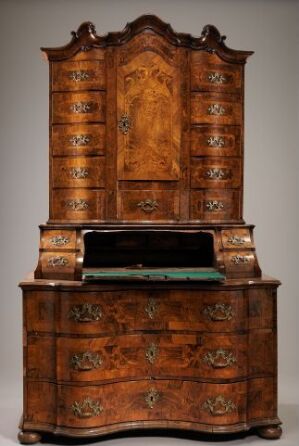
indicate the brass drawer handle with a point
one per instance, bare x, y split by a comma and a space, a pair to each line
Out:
59, 240
88, 408
124, 124
217, 78
81, 107
237, 260
79, 140
148, 205
216, 141
79, 76
59, 261
77, 205
86, 361
151, 353
235, 240
219, 406
213, 206
151, 308
216, 110
86, 312
217, 174
78, 173
219, 359
152, 397
219, 312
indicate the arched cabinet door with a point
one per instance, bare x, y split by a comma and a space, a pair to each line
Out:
148, 110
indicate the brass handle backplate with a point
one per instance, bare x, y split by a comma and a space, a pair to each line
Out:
79, 76
237, 260
219, 312
77, 204
148, 205
213, 206
86, 312
79, 140
217, 78
219, 406
216, 141
87, 408
151, 353
216, 110
59, 240
219, 359
235, 240
81, 107
151, 308
86, 361
59, 261
215, 173
79, 173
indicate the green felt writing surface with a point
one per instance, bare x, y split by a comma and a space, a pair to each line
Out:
158, 274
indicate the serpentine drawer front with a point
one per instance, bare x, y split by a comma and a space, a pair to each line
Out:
147, 307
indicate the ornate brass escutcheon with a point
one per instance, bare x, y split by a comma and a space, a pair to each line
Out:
85, 312
213, 206
219, 312
124, 124
148, 205
151, 353
78, 76
59, 240
216, 110
86, 361
77, 204
236, 240
219, 406
151, 308
79, 140
219, 359
216, 141
79, 173
152, 397
57, 261
87, 408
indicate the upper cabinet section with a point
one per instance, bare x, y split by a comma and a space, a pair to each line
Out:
146, 125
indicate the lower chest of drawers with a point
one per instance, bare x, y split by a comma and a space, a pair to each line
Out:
101, 355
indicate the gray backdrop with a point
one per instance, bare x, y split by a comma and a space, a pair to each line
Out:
269, 27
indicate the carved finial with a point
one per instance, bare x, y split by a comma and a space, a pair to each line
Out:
85, 28
211, 32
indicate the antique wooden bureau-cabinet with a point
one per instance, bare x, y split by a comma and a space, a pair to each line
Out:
147, 308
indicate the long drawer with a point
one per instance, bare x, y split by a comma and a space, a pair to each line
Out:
78, 107
100, 312
186, 356
168, 400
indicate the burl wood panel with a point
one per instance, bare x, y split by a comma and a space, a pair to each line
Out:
216, 108
132, 309
78, 204
58, 239
78, 172
210, 73
148, 205
78, 107
215, 173
132, 401
216, 140
148, 93
81, 75
215, 205
78, 139
185, 356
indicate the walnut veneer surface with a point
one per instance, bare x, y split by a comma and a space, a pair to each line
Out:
146, 165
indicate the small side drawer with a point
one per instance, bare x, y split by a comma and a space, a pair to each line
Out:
239, 263
81, 75
78, 172
215, 205
57, 239
216, 140
57, 264
236, 238
216, 77
148, 205
78, 107
78, 139
78, 204
215, 108
215, 173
